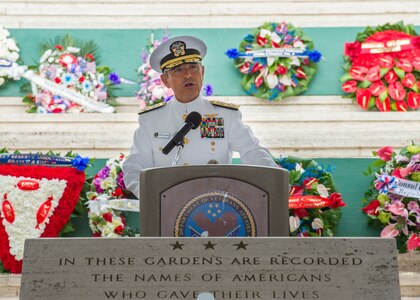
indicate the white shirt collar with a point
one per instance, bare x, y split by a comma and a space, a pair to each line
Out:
194, 105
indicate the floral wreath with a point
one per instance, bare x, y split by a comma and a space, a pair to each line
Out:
9, 51
393, 199
314, 203
40, 195
277, 61
108, 195
382, 68
152, 89
73, 65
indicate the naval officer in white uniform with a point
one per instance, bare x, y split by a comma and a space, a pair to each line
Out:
221, 130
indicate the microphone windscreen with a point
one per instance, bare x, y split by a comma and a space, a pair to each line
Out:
194, 118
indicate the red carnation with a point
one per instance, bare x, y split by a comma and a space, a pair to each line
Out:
409, 80
281, 70
119, 229
118, 192
57, 80
413, 100
372, 208
57, 110
81, 79
349, 86
386, 62
405, 65
396, 91
107, 216
358, 72
336, 201
352, 49
377, 88
373, 74
363, 98
391, 77
59, 47
385, 153
383, 105
300, 212
89, 57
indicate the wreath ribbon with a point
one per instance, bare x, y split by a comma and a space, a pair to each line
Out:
399, 186
357, 48
308, 202
15, 71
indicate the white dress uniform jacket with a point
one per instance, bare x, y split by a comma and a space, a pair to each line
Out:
220, 133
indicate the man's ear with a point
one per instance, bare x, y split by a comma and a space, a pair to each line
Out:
164, 79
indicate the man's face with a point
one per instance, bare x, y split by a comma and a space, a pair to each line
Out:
186, 81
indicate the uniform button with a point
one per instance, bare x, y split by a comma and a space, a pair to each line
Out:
213, 149
213, 143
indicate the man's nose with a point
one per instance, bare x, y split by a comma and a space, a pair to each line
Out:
187, 73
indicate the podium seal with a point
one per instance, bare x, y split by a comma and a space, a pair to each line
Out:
215, 213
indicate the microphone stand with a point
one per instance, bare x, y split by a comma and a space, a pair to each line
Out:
180, 146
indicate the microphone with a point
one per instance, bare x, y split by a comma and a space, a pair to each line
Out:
192, 121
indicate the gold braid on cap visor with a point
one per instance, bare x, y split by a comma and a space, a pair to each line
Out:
172, 63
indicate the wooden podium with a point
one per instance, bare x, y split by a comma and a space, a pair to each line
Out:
214, 200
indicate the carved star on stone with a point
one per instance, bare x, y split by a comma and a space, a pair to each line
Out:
209, 245
177, 245
240, 245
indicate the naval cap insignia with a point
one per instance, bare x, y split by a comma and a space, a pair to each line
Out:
178, 48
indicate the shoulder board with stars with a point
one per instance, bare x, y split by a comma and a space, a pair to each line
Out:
224, 104
150, 108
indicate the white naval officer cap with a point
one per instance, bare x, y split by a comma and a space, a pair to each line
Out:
176, 51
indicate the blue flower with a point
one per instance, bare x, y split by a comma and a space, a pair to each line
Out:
68, 78
208, 90
87, 86
314, 55
114, 78
249, 38
80, 163
168, 98
232, 53
273, 95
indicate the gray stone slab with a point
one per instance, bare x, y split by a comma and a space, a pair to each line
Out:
227, 268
